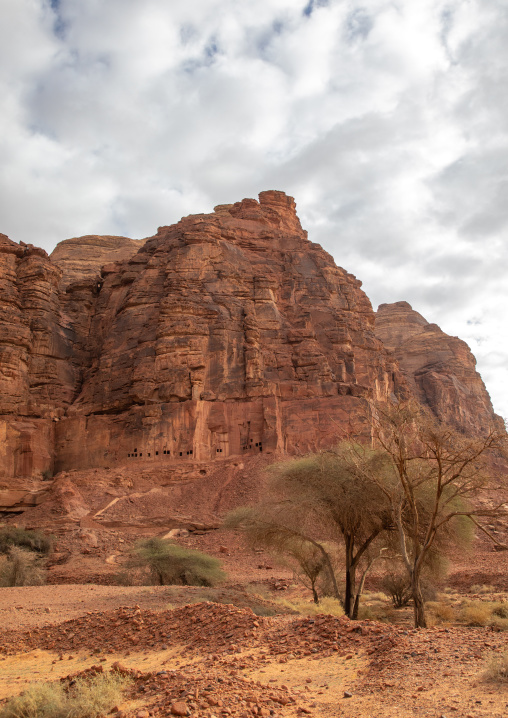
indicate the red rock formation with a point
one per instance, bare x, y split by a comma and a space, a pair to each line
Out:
225, 334
439, 368
81, 258
37, 376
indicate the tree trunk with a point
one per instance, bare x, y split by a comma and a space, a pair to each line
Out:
356, 607
419, 606
350, 578
350, 592
315, 594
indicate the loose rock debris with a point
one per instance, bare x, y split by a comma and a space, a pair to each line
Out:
220, 660
204, 627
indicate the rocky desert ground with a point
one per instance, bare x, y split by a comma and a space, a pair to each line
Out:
241, 650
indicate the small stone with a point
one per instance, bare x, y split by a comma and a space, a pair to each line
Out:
347, 694
179, 709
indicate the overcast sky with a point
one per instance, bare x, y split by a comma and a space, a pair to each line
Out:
387, 121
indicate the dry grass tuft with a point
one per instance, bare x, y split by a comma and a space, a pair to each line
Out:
496, 668
441, 612
482, 588
327, 605
485, 613
476, 613
88, 698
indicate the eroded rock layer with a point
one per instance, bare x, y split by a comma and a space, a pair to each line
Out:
440, 369
81, 258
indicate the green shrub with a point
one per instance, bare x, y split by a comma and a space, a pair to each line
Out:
87, 698
21, 568
171, 564
35, 541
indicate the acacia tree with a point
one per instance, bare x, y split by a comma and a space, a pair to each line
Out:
320, 497
270, 525
435, 478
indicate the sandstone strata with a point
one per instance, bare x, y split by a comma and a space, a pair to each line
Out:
228, 334
440, 369
225, 334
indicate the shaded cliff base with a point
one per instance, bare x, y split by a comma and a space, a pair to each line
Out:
96, 515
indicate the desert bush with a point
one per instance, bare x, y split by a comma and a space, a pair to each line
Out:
482, 588
477, 613
378, 596
36, 541
21, 568
264, 611
500, 609
485, 613
171, 564
398, 588
125, 578
258, 589
382, 612
496, 668
87, 698
499, 624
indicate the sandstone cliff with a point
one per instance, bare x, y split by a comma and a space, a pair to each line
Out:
440, 369
227, 334
37, 376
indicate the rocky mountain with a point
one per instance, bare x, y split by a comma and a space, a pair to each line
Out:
226, 335
440, 369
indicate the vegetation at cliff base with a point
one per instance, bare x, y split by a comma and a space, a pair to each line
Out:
29, 539
168, 563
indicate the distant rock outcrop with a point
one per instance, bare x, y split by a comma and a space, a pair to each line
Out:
440, 369
81, 258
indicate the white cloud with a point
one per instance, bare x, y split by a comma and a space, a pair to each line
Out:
388, 122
